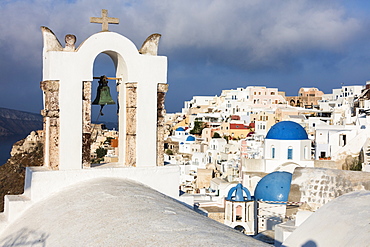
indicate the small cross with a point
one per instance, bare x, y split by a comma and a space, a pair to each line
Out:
104, 20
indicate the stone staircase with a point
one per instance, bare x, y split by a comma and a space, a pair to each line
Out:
14, 205
353, 146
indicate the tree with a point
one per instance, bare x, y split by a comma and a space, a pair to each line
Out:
356, 165
227, 138
198, 127
216, 135
100, 152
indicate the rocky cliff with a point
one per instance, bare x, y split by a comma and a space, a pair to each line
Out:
26, 152
13, 122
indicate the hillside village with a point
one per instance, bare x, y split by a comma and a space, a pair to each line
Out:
226, 134
284, 170
245, 134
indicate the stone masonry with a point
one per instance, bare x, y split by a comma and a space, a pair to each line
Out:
317, 186
51, 123
131, 105
86, 124
162, 88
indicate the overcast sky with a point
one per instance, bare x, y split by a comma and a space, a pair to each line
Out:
210, 45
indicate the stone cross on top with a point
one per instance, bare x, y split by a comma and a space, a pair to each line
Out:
104, 20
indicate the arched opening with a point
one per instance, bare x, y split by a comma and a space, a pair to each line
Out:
104, 120
272, 152
239, 213
240, 228
104, 65
290, 153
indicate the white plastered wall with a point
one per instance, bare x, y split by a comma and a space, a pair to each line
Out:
72, 68
281, 153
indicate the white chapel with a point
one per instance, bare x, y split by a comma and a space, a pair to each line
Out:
67, 202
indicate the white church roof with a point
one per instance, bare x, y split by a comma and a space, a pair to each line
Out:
343, 221
117, 212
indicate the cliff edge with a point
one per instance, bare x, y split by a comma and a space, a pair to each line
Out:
26, 152
13, 122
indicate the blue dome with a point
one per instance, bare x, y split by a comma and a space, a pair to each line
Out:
190, 139
287, 130
180, 129
274, 187
239, 194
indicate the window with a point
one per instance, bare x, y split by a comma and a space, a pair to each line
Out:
273, 152
290, 153
342, 140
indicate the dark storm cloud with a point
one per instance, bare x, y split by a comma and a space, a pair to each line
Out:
211, 45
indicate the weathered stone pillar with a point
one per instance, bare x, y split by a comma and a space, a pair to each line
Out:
162, 88
51, 123
86, 123
131, 105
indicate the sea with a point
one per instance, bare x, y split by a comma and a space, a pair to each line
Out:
6, 144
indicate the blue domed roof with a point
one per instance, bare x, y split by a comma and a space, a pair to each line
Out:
274, 187
239, 194
190, 139
287, 130
180, 129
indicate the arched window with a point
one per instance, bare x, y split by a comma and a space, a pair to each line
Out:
290, 153
239, 213
272, 152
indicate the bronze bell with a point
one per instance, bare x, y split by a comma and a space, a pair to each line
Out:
103, 96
